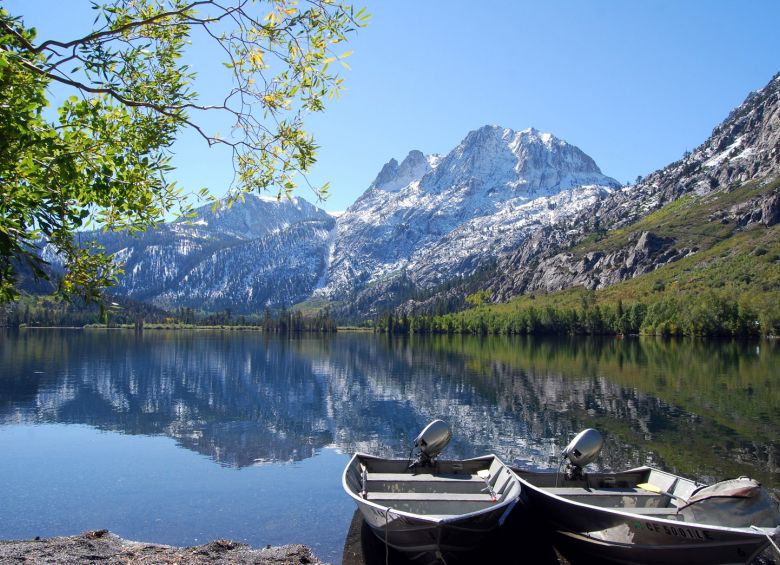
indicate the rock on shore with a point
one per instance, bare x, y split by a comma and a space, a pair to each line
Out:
102, 546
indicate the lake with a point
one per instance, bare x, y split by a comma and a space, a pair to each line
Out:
182, 437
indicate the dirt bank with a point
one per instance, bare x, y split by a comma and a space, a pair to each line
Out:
104, 547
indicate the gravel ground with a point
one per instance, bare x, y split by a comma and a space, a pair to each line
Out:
106, 548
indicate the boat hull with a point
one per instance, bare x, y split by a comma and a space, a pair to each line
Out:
622, 536
430, 522
418, 535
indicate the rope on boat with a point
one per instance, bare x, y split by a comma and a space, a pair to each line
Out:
439, 532
387, 527
558, 472
439, 556
772, 541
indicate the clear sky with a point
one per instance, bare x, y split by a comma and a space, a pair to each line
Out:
632, 83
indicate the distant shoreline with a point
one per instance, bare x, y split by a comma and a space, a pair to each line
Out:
155, 326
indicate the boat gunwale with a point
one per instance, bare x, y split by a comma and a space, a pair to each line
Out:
753, 531
422, 517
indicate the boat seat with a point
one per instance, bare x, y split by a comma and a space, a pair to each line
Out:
425, 496
617, 491
426, 478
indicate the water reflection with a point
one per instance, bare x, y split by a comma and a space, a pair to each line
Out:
703, 409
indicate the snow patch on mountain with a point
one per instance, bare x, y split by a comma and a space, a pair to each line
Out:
721, 156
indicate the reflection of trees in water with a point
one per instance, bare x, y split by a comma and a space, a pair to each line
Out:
237, 397
687, 406
704, 408
229, 396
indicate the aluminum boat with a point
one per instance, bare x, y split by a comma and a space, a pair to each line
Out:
429, 505
648, 516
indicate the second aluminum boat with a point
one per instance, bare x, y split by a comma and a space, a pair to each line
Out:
648, 516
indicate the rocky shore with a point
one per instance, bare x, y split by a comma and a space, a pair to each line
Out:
102, 546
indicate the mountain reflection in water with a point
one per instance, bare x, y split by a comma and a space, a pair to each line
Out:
705, 409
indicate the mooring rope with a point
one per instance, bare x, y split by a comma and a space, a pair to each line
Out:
387, 527
558, 472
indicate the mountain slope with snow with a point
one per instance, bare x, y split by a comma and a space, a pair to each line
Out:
742, 153
431, 219
424, 221
257, 253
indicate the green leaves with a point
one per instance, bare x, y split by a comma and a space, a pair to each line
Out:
104, 161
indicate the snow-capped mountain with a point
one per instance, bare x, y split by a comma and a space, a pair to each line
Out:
431, 218
423, 221
255, 253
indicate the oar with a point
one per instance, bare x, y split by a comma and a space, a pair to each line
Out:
657, 490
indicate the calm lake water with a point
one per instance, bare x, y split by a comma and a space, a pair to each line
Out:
183, 437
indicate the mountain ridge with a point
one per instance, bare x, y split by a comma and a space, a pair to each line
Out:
711, 194
454, 212
221, 258
717, 164
422, 221
523, 211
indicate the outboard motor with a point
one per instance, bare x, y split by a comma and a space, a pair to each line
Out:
583, 449
430, 442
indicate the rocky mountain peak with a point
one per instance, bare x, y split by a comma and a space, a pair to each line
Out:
431, 218
386, 174
415, 158
526, 162
747, 143
491, 136
393, 177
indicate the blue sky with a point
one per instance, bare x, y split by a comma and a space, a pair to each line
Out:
633, 84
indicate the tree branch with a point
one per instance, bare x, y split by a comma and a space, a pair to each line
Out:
119, 30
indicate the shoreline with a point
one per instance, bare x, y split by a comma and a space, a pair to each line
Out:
107, 547
179, 327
